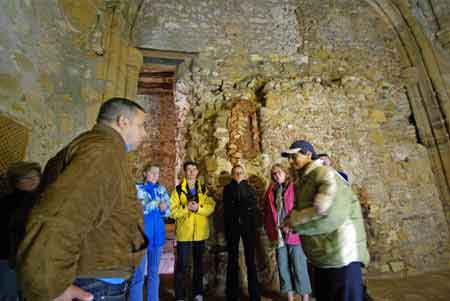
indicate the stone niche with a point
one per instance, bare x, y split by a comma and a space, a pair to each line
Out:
244, 140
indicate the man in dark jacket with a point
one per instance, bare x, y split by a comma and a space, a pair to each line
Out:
84, 237
24, 178
240, 221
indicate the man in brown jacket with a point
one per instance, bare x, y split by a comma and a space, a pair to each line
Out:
85, 235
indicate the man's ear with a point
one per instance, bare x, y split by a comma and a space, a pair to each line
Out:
122, 121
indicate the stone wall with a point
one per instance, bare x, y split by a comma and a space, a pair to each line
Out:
59, 60
328, 71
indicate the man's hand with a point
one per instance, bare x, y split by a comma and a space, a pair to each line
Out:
74, 293
162, 206
193, 206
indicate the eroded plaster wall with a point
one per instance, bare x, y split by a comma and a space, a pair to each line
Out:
58, 61
329, 71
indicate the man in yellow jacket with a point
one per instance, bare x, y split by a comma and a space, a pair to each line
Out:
190, 207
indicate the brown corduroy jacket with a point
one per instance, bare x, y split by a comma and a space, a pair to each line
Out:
87, 222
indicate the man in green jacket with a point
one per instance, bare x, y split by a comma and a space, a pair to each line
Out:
328, 217
85, 236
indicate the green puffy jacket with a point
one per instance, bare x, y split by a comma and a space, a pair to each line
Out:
328, 217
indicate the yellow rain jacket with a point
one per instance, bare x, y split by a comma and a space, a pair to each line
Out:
191, 226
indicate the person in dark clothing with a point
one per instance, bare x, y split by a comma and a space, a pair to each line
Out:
240, 221
24, 178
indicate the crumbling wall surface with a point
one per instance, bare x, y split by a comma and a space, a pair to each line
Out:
364, 126
54, 55
369, 128
328, 71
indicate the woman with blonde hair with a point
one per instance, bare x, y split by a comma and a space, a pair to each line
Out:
291, 261
156, 204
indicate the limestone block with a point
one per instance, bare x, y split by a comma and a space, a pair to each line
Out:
377, 137
67, 98
385, 268
256, 58
9, 84
46, 83
397, 266
89, 94
66, 123
18, 107
23, 62
378, 116
91, 114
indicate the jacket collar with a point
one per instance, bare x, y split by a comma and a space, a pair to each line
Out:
101, 127
310, 167
285, 185
234, 182
184, 185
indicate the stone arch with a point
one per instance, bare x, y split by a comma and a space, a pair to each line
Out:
425, 87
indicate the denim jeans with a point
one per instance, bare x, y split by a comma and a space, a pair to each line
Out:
103, 291
137, 283
8, 282
293, 270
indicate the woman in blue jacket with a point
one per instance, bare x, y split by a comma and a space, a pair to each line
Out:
156, 203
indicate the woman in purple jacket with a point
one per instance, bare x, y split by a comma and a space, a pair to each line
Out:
291, 260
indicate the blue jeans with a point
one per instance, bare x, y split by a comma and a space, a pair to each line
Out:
293, 270
103, 291
8, 282
152, 259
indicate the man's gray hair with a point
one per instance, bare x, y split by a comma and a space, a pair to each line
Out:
116, 106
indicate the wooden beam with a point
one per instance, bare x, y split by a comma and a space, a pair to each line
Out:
157, 80
144, 91
158, 68
166, 86
167, 54
156, 74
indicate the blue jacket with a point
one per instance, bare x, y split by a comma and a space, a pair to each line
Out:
150, 195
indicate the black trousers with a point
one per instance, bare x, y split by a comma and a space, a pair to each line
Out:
182, 260
339, 284
248, 235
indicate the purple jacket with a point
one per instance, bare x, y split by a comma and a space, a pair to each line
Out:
270, 214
